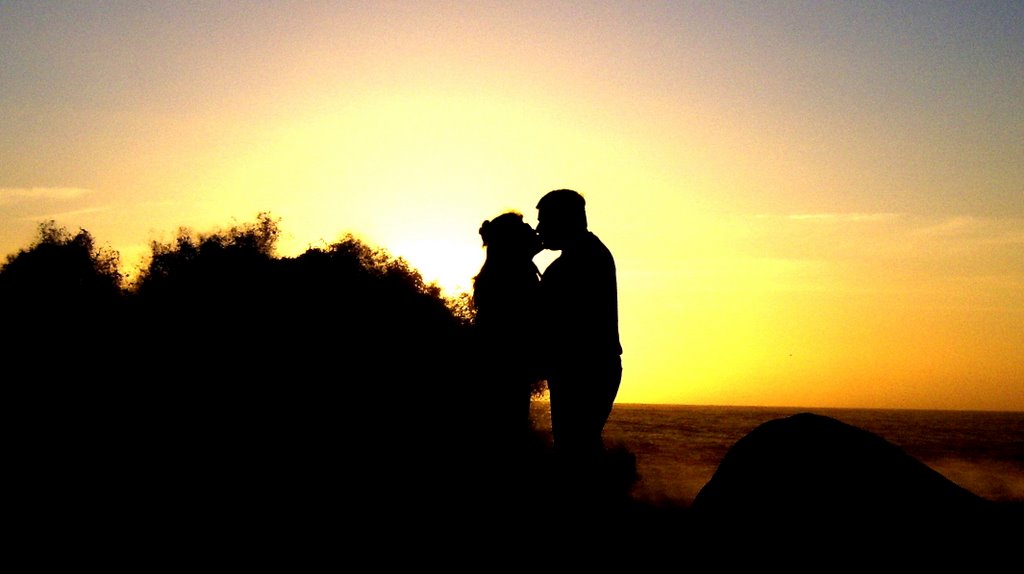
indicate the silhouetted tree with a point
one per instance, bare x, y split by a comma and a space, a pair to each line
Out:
197, 267
60, 272
61, 308
61, 299
332, 367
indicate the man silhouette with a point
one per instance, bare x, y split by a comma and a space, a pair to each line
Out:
580, 329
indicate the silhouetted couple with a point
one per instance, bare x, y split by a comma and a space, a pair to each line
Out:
561, 326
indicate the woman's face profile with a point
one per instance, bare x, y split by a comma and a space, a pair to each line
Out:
531, 240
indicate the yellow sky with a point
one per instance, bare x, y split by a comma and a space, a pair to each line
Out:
819, 207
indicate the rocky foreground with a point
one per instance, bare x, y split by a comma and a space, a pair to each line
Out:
812, 485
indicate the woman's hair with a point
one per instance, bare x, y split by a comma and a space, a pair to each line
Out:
502, 229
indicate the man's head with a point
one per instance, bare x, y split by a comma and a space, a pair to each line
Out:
561, 216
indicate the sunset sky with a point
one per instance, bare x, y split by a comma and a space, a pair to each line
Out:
809, 203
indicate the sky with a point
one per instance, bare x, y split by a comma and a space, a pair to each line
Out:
811, 204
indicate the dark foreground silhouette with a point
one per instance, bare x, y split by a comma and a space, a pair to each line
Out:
332, 403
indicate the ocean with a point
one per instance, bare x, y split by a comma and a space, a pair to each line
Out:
678, 447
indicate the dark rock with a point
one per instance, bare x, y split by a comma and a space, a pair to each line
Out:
813, 477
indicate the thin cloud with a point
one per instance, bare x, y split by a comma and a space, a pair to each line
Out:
843, 217
987, 230
954, 225
66, 214
11, 195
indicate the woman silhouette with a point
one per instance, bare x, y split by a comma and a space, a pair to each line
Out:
506, 296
